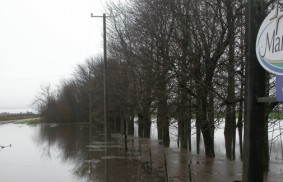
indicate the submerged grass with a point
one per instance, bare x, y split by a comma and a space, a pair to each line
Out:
32, 122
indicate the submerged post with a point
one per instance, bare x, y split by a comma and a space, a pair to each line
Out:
150, 158
190, 172
166, 171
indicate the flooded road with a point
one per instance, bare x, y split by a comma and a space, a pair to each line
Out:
25, 160
74, 153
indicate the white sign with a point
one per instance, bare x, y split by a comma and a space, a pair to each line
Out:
269, 42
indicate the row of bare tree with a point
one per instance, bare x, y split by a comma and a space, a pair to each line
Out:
188, 57
177, 60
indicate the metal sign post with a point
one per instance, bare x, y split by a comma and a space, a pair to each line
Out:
253, 158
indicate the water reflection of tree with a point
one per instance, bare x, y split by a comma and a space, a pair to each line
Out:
89, 164
70, 139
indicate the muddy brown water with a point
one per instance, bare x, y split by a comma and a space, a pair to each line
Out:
74, 153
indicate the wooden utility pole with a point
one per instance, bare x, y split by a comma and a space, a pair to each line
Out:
254, 137
106, 124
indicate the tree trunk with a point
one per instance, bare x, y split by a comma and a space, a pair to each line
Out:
198, 131
211, 114
229, 131
141, 125
131, 129
182, 118
147, 124
162, 114
125, 133
205, 126
159, 124
230, 119
242, 80
190, 123
144, 123
165, 136
240, 129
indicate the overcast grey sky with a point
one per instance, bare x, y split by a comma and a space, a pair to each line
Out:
41, 42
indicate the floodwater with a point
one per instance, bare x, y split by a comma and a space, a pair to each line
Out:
74, 153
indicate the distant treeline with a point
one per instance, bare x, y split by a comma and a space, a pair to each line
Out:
8, 116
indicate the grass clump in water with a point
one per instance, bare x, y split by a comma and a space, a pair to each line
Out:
32, 122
